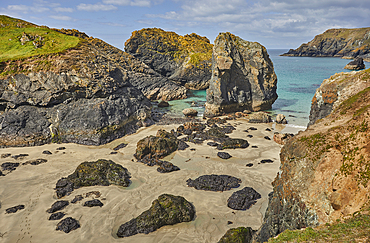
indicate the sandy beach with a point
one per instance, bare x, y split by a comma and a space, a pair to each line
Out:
33, 186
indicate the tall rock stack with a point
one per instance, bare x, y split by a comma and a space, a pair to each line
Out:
243, 77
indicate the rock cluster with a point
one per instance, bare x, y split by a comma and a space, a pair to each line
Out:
185, 60
243, 77
166, 210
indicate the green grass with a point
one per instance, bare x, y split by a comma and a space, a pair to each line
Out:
12, 49
350, 230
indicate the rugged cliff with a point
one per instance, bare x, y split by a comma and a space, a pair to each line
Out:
345, 43
243, 77
325, 170
79, 94
183, 59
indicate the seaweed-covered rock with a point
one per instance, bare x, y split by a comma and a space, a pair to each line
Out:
159, 146
14, 209
98, 173
214, 182
68, 224
56, 216
166, 210
93, 203
243, 77
58, 205
224, 155
233, 143
237, 235
243, 199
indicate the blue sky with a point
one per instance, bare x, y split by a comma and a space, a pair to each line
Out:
275, 24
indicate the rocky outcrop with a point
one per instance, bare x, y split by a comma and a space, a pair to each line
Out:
243, 77
345, 43
356, 64
325, 171
334, 91
166, 210
185, 60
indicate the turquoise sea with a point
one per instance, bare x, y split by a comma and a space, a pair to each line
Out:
298, 79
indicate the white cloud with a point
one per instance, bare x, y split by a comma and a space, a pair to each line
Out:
95, 7
26, 9
22, 8
60, 9
113, 24
139, 3
61, 17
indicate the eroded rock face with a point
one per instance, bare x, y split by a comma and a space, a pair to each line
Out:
185, 60
323, 173
243, 77
83, 96
166, 210
98, 173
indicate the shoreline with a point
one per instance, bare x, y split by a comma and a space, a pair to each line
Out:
32, 185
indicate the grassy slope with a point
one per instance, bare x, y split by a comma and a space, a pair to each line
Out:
11, 30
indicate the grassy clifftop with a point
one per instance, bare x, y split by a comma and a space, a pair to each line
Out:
20, 39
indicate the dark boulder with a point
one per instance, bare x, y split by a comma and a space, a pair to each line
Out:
46, 152
98, 173
165, 167
120, 146
166, 210
14, 209
264, 161
214, 182
182, 145
56, 216
243, 199
19, 156
237, 235
224, 155
93, 203
58, 205
163, 103
68, 224
77, 198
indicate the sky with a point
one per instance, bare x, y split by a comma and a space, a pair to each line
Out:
277, 24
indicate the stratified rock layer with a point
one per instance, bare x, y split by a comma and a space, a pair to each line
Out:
346, 43
325, 170
185, 60
243, 77
166, 210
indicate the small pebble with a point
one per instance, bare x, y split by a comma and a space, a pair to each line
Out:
249, 165
61, 148
229, 222
250, 136
254, 146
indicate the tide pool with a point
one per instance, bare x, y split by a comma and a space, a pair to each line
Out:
298, 79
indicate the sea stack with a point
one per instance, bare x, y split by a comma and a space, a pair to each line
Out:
243, 77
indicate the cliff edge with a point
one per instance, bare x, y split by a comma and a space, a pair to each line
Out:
344, 43
325, 170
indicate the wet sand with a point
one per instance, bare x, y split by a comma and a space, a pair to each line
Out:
32, 185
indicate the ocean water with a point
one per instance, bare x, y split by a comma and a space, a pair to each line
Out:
298, 79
